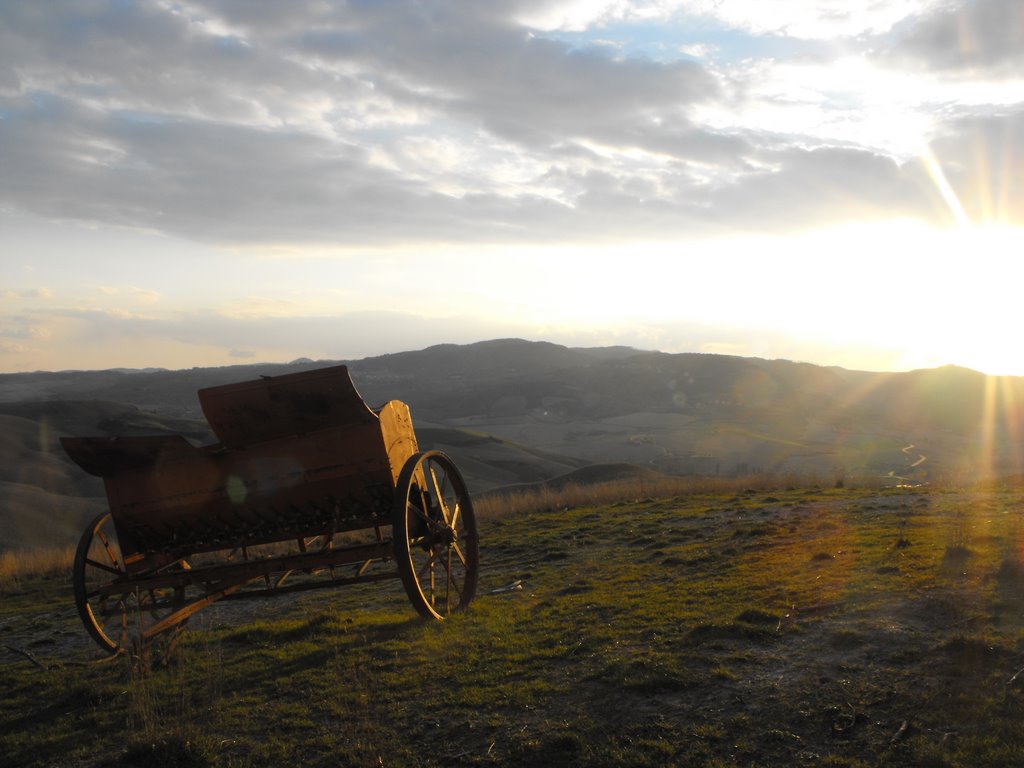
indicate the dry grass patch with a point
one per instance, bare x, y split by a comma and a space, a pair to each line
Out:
546, 497
16, 566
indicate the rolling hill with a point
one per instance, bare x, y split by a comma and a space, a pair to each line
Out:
513, 412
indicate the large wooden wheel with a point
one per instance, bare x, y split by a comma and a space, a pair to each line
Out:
116, 614
435, 535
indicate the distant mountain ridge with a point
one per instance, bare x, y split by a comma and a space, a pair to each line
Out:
514, 412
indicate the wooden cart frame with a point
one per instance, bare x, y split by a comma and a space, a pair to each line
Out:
307, 488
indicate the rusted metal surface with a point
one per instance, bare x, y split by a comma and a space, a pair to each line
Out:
168, 496
302, 461
271, 408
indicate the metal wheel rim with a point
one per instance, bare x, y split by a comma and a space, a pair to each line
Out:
435, 535
115, 614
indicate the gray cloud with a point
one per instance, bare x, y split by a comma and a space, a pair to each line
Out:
377, 123
963, 36
827, 184
527, 89
17, 327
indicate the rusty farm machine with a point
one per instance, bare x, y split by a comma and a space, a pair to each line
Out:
307, 487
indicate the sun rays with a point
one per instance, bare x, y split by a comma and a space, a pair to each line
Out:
999, 437
949, 425
945, 189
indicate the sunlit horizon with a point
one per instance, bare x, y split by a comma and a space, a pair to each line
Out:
780, 182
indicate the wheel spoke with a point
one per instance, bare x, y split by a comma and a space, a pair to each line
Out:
452, 582
103, 566
427, 565
426, 519
103, 592
420, 513
439, 493
424, 505
108, 547
462, 557
451, 578
448, 584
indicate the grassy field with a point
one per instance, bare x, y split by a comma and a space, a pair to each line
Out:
767, 627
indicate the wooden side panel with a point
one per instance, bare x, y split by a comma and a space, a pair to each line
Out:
399, 436
273, 491
104, 456
281, 406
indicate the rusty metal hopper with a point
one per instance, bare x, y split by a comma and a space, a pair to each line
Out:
302, 461
281, 406
299, 454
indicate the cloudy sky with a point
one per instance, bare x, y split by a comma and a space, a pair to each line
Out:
222, 181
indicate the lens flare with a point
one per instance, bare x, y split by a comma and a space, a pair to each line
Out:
949, 196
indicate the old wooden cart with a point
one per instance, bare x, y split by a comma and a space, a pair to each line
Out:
308, 487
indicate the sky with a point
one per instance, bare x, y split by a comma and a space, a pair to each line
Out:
240, 181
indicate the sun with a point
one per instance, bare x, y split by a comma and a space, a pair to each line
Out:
982, 318
956, 296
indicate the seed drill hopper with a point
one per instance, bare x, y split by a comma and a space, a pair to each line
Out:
306, 488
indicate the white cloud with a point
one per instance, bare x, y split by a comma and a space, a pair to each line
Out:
797, 18
247, 159
144, 295
816, 19
367, 124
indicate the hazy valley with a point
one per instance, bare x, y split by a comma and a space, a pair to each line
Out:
857, 603
512, 412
